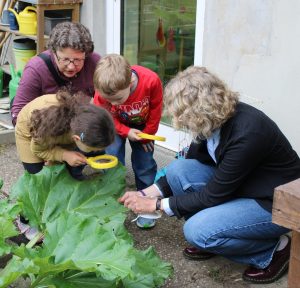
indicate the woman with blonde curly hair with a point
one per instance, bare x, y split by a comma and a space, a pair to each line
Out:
224, 188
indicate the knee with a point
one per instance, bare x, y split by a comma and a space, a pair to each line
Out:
192, 233
176, 168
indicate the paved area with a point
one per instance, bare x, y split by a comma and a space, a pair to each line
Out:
166, 237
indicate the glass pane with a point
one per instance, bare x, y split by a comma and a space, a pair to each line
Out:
160, 35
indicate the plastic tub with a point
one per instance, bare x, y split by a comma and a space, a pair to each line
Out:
24, 44
22, 57
52, 19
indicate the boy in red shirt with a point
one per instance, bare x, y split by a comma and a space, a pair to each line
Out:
133, 95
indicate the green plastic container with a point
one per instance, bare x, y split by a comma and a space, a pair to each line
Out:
14, 82
22, 57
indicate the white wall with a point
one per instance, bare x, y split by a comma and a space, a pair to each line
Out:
93, 16
255, 47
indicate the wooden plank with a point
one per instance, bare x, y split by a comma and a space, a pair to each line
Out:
294, 267
75, 14
40, 10
16, 32
286, 205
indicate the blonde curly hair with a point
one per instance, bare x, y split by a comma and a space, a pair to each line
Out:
199, 102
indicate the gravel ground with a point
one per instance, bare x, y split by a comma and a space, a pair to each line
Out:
166, 237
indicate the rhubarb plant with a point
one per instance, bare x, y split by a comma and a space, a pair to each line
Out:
85, 241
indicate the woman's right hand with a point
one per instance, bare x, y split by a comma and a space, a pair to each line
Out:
74, 158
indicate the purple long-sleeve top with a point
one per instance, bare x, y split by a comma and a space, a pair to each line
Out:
37, 80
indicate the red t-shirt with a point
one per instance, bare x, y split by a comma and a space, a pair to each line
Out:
143, 106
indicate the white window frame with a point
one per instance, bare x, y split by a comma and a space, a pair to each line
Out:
113, 26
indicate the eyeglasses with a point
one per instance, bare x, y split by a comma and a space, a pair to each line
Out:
67, 61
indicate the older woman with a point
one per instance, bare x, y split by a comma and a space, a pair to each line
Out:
225, 187
69, 61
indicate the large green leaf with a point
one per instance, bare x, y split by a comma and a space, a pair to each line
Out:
78, 279
47, 194
8, 212
146, 274
86, 243
16, 267
91, 248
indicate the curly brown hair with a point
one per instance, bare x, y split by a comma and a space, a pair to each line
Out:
76, 115
71, 35
199, 101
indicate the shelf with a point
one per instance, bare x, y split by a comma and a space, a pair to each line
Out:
41, 7
16, 32
37, 2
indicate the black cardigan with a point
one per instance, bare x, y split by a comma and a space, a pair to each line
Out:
253, 157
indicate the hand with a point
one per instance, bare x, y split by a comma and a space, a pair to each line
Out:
137, 203
74, 158
149, 146
49, 163
133, 134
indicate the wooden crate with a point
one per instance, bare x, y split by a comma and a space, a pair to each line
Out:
286, 205
286, 213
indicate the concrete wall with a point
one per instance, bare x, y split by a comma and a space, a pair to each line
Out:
254, 46
93, 16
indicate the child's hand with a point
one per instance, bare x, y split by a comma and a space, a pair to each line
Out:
49, 163
148, 147
133, 134
74, 158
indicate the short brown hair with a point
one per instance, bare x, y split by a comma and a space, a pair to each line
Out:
71, 35
112, 74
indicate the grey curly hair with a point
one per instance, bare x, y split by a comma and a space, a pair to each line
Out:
71, 35
199, 101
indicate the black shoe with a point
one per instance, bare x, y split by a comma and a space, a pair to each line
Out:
194, 253
278, 266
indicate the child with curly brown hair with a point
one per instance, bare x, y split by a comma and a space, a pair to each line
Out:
62, 128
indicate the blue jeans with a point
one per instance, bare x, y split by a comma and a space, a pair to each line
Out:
143, 164
240, 229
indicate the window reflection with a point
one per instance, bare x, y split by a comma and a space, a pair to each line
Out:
159, 34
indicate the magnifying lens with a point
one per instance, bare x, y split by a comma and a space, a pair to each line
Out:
102, 161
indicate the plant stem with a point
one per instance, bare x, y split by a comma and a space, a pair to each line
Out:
33, 241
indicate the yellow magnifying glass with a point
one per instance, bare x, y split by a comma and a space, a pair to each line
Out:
102, 161
151, 137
